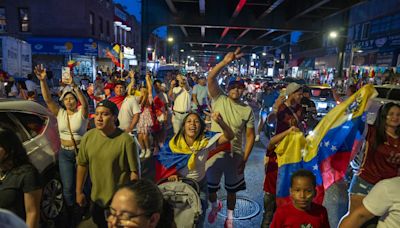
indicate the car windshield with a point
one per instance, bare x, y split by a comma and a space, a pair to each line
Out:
321, 93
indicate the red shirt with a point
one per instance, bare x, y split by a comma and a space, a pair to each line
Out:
377, 165
288, 117
289, 216
117, 100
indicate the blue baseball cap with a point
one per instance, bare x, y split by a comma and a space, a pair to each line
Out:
233, 83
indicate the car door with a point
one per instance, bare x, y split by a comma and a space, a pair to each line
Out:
30, 128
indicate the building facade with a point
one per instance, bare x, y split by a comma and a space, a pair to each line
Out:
59, 31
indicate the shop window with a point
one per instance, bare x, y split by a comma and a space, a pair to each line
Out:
3, 21
365, 30
24, 18
108, 29
101, 25
91, 22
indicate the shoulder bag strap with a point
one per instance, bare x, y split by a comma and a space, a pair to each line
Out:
72, 136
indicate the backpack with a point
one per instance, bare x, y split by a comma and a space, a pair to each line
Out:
183, 196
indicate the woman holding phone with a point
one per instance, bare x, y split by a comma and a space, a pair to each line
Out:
72, 125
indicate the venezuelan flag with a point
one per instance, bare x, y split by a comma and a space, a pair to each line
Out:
169, 162
327, 150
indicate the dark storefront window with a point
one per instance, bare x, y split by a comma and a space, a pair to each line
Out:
365, 31
108, 29
91, 22
3, 21
101, 25
24, 19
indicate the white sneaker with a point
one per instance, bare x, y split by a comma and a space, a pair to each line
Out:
142, 153
257, 138
147, 154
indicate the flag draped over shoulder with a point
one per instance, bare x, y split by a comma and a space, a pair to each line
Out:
175, 156
326, 151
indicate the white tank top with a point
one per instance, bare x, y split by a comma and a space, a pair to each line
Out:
78, 124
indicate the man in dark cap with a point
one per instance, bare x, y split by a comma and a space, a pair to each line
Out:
111, 157
240, 118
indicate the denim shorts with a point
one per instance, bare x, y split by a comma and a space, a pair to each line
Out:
359, 186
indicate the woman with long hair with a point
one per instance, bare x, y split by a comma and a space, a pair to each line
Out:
20, 187
382, 154
72, 125
192, 145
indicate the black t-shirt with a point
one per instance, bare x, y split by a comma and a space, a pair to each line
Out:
19, 180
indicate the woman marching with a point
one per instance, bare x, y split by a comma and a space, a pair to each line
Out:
192, 143
72, 125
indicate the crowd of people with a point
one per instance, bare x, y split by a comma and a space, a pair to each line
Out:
103, 152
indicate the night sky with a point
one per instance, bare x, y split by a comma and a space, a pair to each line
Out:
134, 8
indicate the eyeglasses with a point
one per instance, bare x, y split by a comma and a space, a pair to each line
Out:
124, 219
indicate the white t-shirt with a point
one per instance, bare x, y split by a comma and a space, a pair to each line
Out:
129, 108
199, 172
31, 86
183, 98
77, 122
384, 201
201, 93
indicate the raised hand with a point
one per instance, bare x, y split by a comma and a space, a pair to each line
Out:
231, 56
148, 76
216, 116
131, 74
40, 72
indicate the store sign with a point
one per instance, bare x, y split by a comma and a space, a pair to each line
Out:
382, 42
63, 46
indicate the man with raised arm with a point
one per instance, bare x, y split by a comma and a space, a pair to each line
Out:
240, 118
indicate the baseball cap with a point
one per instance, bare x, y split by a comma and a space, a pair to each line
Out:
109, 86
67, 90
110, 105
291, 88
233, 83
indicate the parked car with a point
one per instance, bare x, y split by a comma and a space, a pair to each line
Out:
37, 129
386, 94
323, 99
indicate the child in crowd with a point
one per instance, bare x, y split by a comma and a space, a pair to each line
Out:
146, 118
302, 212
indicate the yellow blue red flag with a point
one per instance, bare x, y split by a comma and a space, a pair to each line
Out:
326, 151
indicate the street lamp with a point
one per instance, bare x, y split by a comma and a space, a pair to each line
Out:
170, 39
333, 34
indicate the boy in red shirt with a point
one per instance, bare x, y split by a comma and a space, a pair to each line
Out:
302, 213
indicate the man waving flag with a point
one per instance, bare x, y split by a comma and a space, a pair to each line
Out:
327, 150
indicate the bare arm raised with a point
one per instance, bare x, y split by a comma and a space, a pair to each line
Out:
41, 74
213, 87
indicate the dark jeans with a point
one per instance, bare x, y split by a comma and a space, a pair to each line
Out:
98, 216
204, 201
67, 167
269, 209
